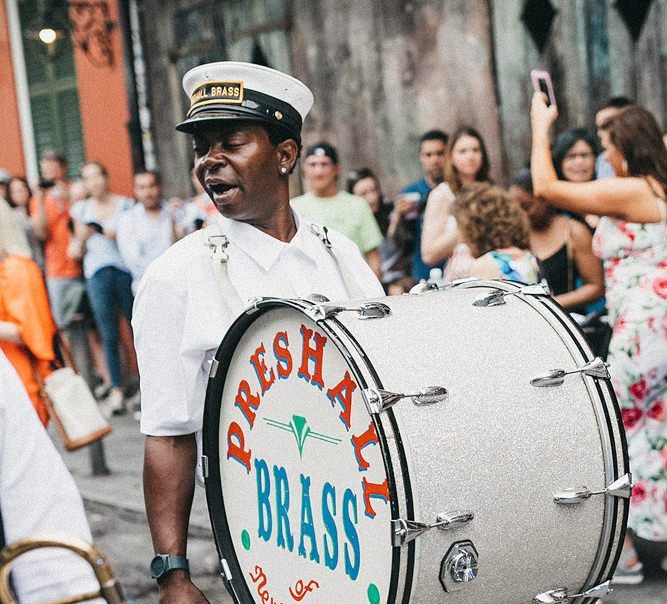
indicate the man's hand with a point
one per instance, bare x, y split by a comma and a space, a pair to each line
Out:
177, 588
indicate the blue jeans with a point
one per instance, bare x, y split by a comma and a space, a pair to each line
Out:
110, 292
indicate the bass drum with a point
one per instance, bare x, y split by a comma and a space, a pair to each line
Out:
458, 446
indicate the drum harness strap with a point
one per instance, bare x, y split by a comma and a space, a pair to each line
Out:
218, 243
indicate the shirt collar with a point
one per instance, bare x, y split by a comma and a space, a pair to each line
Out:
265, 249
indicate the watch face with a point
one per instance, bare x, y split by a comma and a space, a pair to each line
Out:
158, 566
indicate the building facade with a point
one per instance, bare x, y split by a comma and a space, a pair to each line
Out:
71, 94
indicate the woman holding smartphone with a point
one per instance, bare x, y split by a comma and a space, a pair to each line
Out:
631, 239
468, 163
108, 282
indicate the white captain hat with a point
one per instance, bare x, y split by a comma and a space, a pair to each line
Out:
230, 90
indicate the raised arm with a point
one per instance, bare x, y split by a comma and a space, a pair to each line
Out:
439, 233
628, 198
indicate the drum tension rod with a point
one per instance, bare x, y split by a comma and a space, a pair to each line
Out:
560, 596
619, 488
378, 400
403, 531
497, 296
596, 368
369, 310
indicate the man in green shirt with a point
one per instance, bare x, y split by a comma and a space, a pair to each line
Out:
326, 205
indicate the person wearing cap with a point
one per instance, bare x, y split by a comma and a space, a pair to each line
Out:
245, 121
336, 209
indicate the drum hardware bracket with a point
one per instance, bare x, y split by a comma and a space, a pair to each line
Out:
368, 310
596, 368
459, 567
226, 572
619, 488
204, 465
378, 400
431, 286
214, 368
497, 297
560, 596
404, 531
253, 304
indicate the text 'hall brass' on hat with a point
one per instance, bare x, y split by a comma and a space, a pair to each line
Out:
216, 92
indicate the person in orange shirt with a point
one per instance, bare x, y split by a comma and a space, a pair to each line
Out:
52, 224
26, 325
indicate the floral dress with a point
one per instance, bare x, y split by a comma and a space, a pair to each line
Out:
635, 264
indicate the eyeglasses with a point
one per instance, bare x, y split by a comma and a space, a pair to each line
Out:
573, 156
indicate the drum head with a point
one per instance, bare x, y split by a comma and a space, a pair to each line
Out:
298, 486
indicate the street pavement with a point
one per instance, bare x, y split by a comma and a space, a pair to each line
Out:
115, 508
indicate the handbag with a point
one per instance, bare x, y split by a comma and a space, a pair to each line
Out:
72, 405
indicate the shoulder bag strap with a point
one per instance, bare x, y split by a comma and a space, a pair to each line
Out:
662, 208
218, 243
350, 282
570, 259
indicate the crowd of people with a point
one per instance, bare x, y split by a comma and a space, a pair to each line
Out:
587, 218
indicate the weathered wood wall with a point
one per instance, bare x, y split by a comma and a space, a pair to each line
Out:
384, 71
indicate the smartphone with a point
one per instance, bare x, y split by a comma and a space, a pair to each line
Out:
96, 226
542, 83
46, 184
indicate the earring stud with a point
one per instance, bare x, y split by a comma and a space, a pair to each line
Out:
283, 170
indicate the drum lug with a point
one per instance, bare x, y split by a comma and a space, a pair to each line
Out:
497, 296
459, 566
378, 400
597, 368
403, 531
560, 596
226, 572
204, 465
619, 488
369, 310
423, 288
214, 368
431, 286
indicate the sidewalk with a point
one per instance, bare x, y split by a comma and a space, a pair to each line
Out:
115, 509
123, 489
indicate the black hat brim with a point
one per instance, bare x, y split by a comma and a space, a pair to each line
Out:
208, 118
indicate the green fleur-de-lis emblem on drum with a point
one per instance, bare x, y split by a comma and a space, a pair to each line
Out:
299, 427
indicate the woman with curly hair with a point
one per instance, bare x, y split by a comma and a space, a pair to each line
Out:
493, 226
631, 239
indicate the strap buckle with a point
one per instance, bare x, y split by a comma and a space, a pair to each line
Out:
218, 245
322, 233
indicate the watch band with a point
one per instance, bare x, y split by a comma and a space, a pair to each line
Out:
163, 564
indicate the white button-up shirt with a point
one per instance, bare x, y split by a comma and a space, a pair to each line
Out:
143, 237
181, 316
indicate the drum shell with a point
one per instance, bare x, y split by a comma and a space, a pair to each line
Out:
499, 446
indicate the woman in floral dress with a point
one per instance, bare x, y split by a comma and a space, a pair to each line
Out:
631, 239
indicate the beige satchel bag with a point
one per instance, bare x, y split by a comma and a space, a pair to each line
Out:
74, 409
71, 404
